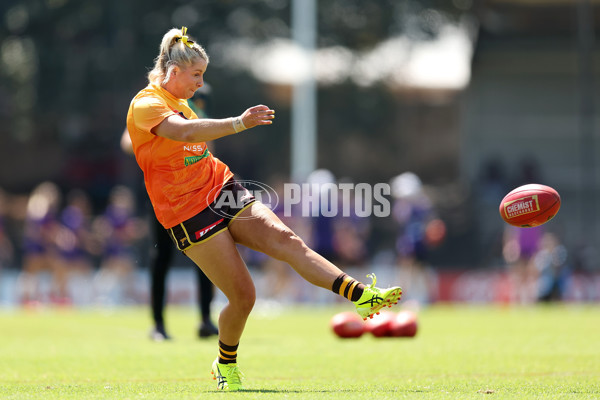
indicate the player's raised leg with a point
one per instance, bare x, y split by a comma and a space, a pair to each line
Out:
258, 228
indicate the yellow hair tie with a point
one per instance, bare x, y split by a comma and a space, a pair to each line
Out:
184, 39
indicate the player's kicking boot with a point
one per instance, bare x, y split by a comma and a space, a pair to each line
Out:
228, 376
374, 299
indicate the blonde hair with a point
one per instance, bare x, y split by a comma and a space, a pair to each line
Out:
176, 49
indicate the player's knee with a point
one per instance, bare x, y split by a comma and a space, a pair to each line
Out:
245, 300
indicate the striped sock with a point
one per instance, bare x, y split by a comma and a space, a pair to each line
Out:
227, 354
348, 287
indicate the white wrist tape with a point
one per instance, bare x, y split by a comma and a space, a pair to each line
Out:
238, 124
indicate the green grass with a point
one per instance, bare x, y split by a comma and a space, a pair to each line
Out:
460, 352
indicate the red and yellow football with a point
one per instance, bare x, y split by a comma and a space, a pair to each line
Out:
530, 205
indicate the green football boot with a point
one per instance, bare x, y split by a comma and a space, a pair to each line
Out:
374, 299
228, 376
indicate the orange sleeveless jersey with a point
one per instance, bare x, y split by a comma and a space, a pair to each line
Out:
181, 178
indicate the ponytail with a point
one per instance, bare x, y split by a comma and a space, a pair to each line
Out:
176, 49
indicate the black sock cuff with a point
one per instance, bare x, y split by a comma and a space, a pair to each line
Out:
227, 347
337, 284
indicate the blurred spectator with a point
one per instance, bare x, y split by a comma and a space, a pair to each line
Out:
119, 229
350, 232
419, 231
552, 267
76, 243
39, 250
322, 227
519, 247
413, 211
522, 244
350, 241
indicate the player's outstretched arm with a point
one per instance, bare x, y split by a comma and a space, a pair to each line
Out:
180, 129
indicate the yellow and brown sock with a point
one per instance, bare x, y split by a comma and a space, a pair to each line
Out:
348, 287
227, 354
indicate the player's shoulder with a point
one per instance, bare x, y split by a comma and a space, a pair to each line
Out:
148, 97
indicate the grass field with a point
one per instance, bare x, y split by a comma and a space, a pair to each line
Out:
460, 352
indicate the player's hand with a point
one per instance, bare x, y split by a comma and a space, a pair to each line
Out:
258, 115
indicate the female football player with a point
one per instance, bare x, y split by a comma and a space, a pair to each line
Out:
190, 190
